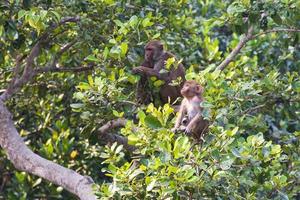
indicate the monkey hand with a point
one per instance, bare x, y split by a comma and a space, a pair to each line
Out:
137, 70
174, 130
178, 129
188, 131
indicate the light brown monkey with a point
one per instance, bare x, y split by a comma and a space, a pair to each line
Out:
154, 65
196, 126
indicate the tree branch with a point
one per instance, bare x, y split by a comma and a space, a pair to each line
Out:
19, 154
63, 69
249, 36
24, 159
236, 50
29, 72
111, 138
276, 30
62, 50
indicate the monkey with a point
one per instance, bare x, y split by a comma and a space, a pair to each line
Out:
195, 126
154, 65
143, 92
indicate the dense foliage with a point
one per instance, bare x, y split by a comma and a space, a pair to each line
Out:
252, 149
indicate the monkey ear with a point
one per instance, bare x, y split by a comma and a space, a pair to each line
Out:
199, 89
161, 46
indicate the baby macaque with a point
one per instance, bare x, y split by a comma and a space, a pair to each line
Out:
190, 111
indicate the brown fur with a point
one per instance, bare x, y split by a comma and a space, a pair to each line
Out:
155, 58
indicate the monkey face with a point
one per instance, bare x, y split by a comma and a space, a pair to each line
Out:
149, 54
191, 89
153, 50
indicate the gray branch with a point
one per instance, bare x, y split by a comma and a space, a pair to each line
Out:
103, 133
18, 153
24, 159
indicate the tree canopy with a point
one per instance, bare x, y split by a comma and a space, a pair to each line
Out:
66, 87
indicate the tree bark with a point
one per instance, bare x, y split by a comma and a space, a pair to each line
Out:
103, 133
24, 159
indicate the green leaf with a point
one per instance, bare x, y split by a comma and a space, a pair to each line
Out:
90, 80
225, 165
133, 139
157, 35
135, 174
92, 58
146, 22
77, 105
124, 48
57, 16
43, 14
151, 185
236, 153
233, 132
85, 115
276, 149
133, 21
37, 182
21, 13
20, 176
118, 114
277, 19
105, 53
235, 8
181, 147
141, 115
78, 95
83, 86
118, 23
119, 149
158, 83
152, 122
1, 30
49, 148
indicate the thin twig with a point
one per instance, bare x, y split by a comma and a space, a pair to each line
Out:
29, 72
276, 30
253, 109
249, 36
236, 50
64, 69
62, 50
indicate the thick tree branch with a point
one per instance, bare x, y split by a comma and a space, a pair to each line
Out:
103, 133
19, 154
249, 36
24, 159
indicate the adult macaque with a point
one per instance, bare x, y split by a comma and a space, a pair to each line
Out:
154, 65
196, 126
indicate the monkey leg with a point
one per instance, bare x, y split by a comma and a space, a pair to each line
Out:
143, 94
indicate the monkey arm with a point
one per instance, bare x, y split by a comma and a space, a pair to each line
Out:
147, 64
181, 114
150, 72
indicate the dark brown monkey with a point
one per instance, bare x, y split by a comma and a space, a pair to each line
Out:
154, 65
196, 126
